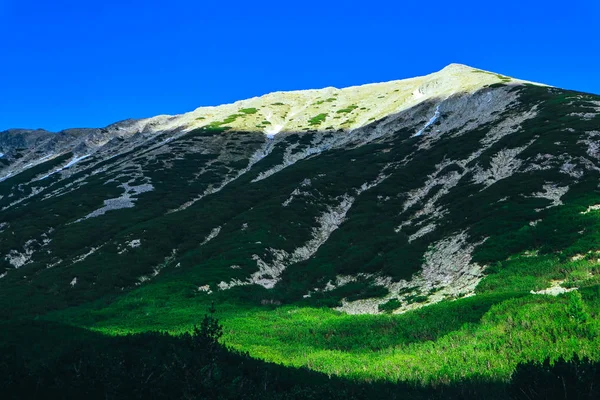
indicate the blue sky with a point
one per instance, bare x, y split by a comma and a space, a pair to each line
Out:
90, 63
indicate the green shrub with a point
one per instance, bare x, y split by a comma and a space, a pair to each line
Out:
390, 305
317, 120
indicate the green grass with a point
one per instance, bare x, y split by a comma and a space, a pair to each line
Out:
486, 335
347, 110
317, 120
249, 111
503, 78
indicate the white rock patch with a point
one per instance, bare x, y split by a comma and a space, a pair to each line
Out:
205, 289
502, 165
213, 234
156, 270
20, 258
17, 259
132, 244
591, 208
86, 255
552, 193
127, 200
448, 273
422, 232
554, 290
269, 274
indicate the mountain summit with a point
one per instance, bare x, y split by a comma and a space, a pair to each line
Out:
297, 111
458, 192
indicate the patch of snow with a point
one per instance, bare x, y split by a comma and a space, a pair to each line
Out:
433, 119
5, 177
47, 156
73, 161
272, 129
73, 282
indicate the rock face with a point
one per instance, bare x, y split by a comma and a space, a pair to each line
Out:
402, 190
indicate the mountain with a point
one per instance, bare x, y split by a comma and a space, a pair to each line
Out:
454, 210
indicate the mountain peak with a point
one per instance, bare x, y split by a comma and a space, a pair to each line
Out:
332, 108
458, 67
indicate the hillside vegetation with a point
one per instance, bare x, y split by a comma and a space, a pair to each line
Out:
447, 245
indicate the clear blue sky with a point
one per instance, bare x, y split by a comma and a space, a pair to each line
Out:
87, 63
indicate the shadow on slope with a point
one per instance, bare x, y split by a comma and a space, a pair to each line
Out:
40, 359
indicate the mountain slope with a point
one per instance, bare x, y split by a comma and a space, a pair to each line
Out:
367, 200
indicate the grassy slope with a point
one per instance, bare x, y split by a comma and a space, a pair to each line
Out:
485, 335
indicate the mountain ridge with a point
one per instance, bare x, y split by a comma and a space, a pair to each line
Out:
309, 111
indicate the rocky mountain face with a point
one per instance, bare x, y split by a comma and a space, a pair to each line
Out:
381, 197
